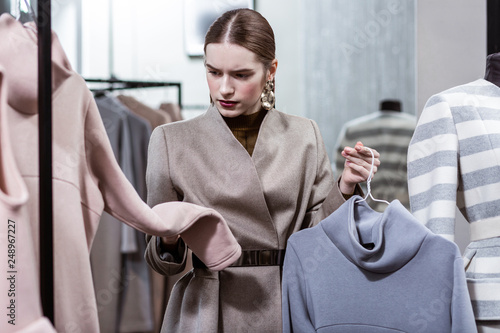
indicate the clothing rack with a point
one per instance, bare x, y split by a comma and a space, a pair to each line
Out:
115, 84
44, 27
43, 21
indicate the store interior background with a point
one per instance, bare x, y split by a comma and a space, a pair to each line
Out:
337, 58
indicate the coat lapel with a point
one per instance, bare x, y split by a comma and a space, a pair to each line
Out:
238, 164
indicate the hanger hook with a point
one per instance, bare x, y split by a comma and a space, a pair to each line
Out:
368, 182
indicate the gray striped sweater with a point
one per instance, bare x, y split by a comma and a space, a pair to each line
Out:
388, 132
454, 161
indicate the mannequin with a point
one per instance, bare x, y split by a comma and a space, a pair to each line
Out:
390, 105
492, 74
493, 68
453, 162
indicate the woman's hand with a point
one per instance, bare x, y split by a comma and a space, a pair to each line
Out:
357, 166
169, 244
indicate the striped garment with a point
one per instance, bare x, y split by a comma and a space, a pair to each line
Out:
454, 161
388, 132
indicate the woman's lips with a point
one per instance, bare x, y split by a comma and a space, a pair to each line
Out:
227, 104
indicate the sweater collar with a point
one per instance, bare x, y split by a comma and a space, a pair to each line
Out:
246, 122
395, 235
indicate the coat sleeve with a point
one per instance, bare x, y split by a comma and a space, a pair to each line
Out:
120, 198
325, 196
462, 316
295, 314
160, 189
158, 182
168, 219
433, 168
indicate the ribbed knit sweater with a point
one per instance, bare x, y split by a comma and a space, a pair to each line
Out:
245, 128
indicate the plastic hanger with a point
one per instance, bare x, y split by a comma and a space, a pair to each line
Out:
368, 181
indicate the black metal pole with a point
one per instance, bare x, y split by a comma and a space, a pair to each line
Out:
45, 157
493, 26
179, 91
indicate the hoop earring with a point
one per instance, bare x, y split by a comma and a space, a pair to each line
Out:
267, 98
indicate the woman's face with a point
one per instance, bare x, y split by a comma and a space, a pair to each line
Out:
235, 78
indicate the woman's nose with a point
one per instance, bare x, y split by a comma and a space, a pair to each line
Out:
226, 87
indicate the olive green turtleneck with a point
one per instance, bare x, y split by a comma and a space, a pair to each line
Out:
245, 128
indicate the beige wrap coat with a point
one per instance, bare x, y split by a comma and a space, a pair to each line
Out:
286, 185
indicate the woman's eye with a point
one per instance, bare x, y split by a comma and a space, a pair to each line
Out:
213, 72
242, 76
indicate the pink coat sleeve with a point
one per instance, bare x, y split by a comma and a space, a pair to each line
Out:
203, 229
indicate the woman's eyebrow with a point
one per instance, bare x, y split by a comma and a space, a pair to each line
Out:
233, 71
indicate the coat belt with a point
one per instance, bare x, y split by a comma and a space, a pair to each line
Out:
252, 258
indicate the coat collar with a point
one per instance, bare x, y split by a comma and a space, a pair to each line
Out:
216, 120
240, 162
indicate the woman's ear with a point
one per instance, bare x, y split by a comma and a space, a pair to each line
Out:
272, 70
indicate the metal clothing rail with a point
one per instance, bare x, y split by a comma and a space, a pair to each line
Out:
44, 23
116, 84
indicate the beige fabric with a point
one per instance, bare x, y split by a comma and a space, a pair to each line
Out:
86, 180
155, 117
173, 110
265, 197
20, 297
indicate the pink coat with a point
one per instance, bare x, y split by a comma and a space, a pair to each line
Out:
20, 285
86, 180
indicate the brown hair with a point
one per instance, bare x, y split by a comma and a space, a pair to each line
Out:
246, 28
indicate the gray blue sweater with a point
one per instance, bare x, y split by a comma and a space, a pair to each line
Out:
359, 270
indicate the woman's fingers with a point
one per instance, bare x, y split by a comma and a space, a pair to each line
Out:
362, 170
359, 159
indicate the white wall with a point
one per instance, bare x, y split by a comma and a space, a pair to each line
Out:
451, 50
284, 17
451, 45
66, 22
148, 44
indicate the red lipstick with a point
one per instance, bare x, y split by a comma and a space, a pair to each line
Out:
227, 104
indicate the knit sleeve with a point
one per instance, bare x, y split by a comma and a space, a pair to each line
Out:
433, 168
295, 314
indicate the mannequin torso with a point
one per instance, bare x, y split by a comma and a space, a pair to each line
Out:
493, 68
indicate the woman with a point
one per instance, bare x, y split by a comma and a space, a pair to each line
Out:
266, 172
